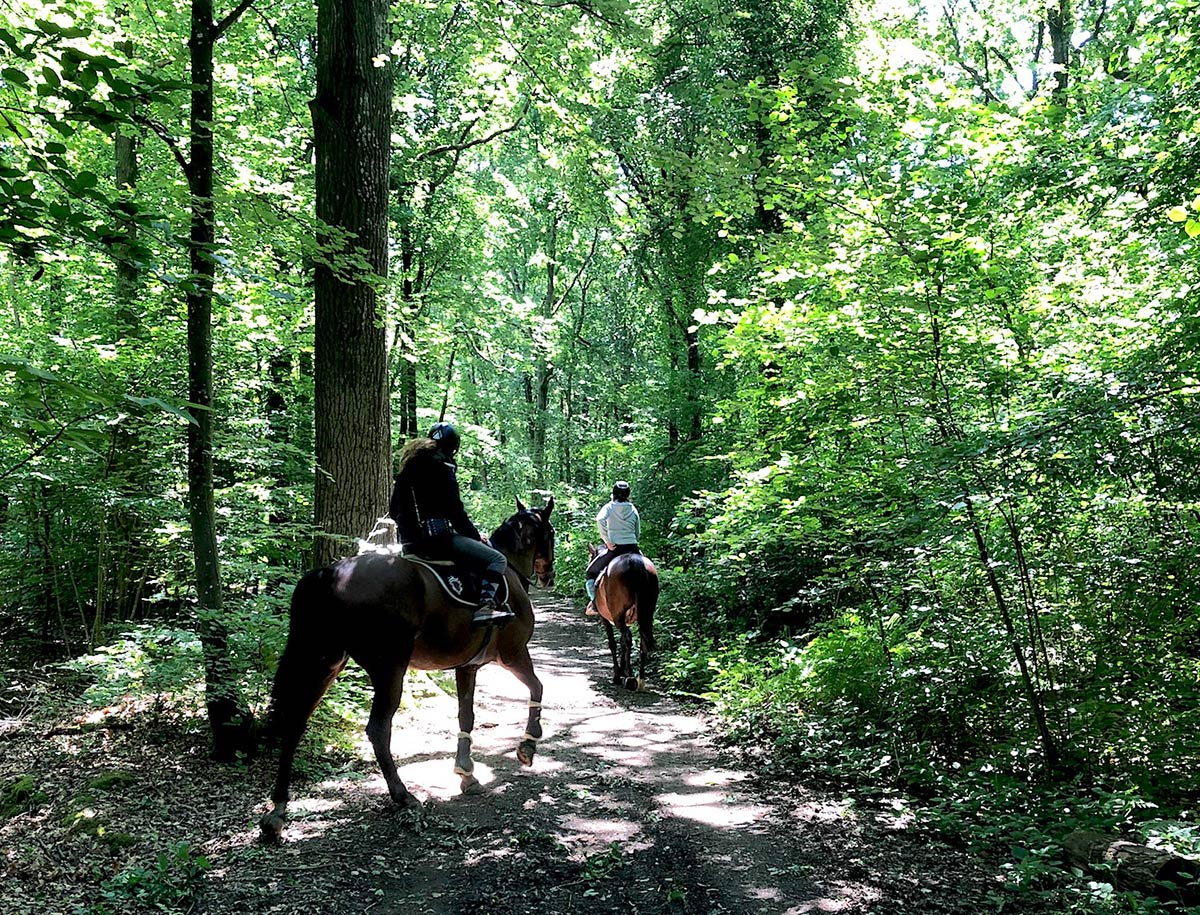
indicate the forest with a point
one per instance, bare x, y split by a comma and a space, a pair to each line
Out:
888, 310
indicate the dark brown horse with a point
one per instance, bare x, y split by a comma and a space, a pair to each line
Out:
627, 593
389, 614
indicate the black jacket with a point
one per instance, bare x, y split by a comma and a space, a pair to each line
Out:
427, 487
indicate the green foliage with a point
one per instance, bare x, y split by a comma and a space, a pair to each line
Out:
896, 341
171, 884
148, 660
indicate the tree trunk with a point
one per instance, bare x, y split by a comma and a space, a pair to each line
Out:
543, 370
1037, 706
228, 718
1130, 866
405, 329
128, 274
352, 133
1059, 22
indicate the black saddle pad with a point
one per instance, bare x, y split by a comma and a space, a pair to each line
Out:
460, 582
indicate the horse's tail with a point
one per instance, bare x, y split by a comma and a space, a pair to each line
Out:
311, 658
645, 590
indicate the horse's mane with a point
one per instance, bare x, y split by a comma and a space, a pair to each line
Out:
412, 448
505, 536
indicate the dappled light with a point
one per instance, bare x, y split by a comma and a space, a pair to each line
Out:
628, 795
844, 355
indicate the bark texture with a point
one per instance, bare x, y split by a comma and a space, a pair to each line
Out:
352, 131
1131, 866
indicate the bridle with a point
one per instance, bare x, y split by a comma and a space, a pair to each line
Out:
541, 562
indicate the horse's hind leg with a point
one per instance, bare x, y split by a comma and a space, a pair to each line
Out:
626, 671
612, 648
300, 682
644, 643
522, 667
464, 767
387, 676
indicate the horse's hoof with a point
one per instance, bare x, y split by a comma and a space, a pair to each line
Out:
525, 752
617, 679
631, 684
270, 829
470, 785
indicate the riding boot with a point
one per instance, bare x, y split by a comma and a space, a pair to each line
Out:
489, 610
590, 610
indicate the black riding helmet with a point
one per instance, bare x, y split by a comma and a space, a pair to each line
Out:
621, 491
446, 438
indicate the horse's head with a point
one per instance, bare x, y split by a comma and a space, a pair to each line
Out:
527, 539
593, 551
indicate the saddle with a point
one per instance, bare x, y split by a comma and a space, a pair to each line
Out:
461, 583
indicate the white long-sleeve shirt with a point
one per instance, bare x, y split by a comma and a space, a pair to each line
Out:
619, 522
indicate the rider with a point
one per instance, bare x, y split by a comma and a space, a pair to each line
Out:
426, 496
620, 526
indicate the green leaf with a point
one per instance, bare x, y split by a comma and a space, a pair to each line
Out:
161, 405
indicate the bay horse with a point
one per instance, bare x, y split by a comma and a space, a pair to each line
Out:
390, 614
626, 593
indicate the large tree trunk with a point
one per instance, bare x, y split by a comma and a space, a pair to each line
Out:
352, 132
228, 718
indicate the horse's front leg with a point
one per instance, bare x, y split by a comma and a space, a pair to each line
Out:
612, 649
521, 666
388, 681
464, 766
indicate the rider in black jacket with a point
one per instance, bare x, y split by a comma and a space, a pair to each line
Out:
426, 494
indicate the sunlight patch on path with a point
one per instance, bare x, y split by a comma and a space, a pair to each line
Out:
712, 808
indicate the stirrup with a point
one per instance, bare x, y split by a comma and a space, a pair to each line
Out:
590, 609
489, 614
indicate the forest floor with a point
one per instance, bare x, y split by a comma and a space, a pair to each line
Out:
631, 806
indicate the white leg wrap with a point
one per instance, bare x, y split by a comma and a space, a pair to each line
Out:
464, 735
528, 736
533, 704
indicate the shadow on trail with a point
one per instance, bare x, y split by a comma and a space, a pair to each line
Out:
628, 808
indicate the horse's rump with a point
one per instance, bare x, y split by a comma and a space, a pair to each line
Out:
631, 579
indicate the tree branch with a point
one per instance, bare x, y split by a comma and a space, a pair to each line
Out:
465, 144
234, 15
962, 62
583, 7
172, 143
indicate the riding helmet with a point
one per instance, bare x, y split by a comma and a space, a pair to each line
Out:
621, 491
446, 437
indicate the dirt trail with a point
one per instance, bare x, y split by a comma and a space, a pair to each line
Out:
630, 807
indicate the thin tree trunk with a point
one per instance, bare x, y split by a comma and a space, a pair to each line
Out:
1036, 706
227, 712
1059, 22
409, 356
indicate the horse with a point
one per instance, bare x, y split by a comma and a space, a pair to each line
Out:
390, 614
627, 592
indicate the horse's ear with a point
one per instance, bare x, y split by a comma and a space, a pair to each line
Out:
520, 504
549, 508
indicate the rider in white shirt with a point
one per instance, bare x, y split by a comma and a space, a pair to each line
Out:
620, 527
